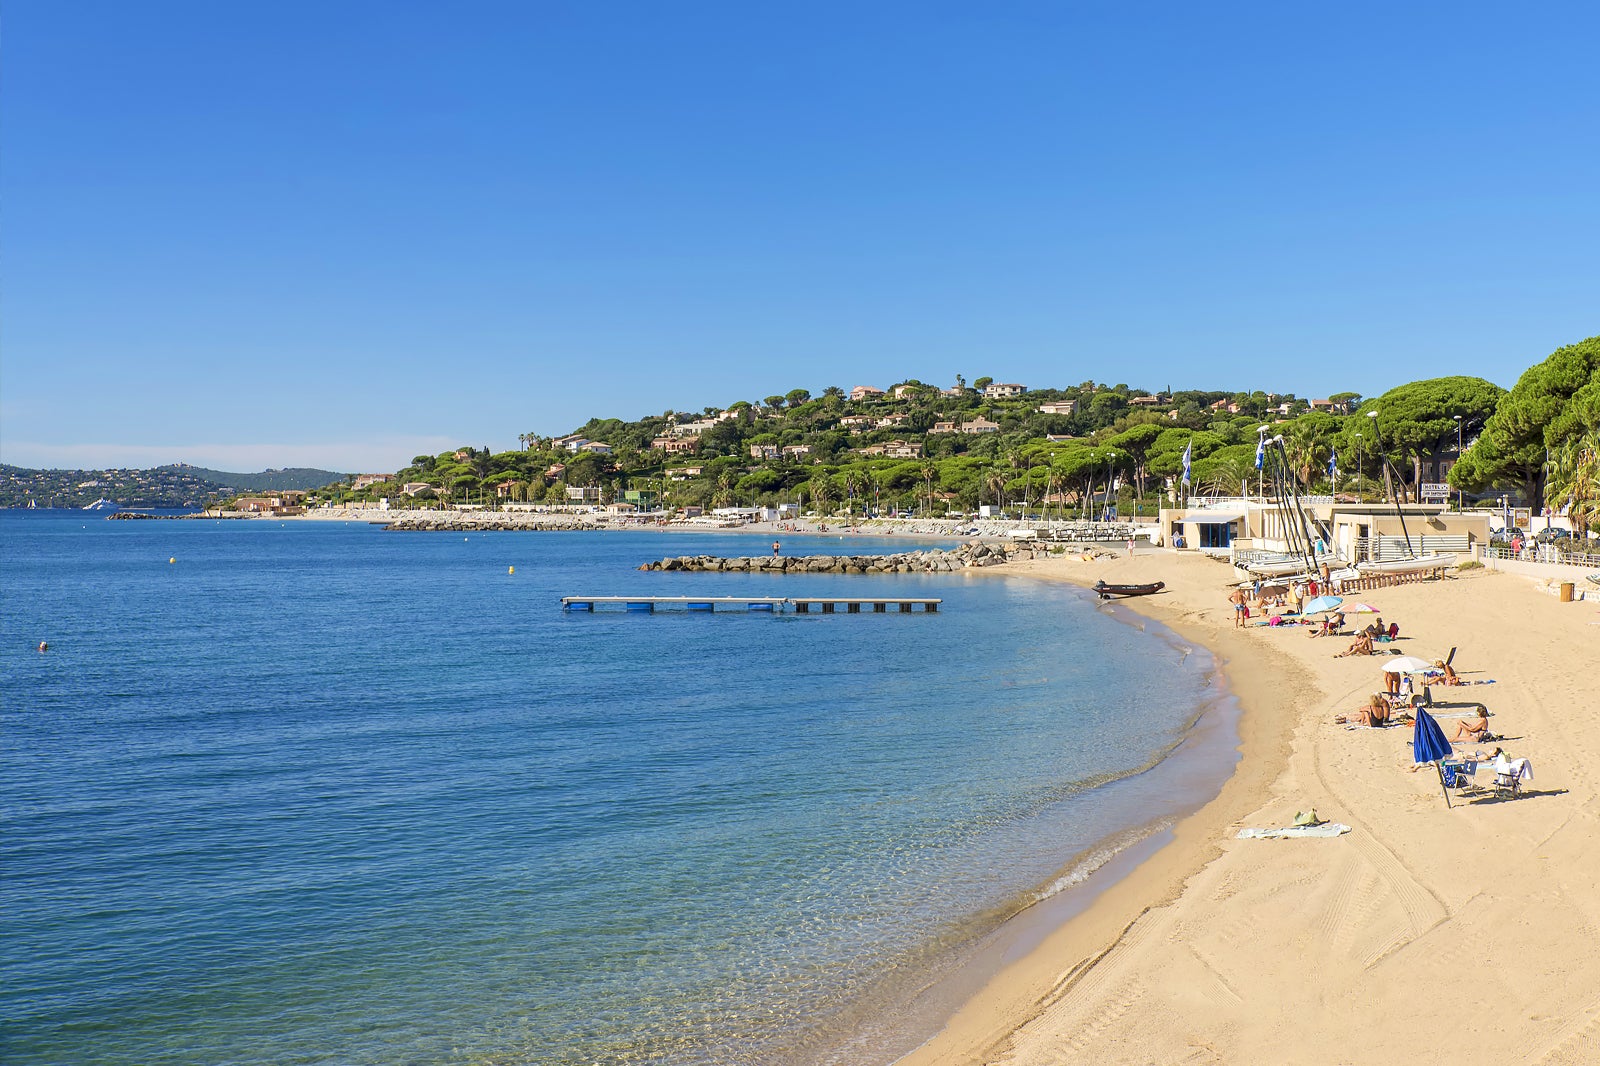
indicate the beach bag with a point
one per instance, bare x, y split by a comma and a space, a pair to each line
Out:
1307, 817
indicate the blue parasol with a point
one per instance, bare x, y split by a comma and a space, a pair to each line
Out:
1428, 744
1322, 603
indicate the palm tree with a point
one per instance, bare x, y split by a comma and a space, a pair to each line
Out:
723, 497
821, 492
995, 482
1573, 481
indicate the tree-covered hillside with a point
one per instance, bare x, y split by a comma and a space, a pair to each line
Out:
912, 448
175, 486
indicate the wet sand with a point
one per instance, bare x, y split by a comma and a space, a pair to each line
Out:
1321, 950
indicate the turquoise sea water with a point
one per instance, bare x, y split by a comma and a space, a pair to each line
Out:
320, 793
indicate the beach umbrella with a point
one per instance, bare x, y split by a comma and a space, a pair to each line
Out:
1362, 608
1322, 603
1407, 664
1428, 744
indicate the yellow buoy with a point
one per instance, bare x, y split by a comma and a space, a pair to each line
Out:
173, 559
511, 569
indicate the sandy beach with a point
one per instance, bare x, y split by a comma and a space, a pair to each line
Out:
1484, 918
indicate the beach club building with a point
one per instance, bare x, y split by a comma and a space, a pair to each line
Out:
1359, 532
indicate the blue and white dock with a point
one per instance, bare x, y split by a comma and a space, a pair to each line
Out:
762, 604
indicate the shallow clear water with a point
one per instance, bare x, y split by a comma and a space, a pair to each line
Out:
319, 793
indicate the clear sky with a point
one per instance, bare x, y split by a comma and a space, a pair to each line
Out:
341, 233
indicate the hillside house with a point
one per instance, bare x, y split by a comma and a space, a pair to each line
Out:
1000, 391
555, 470
1145, 401
684, 473
895, 449
504, 489
943, 427
979, 425
695, 428
902, 392
1059, 407
411, 488
363, 480
865, 392
765, 451
889, 421
795, 451
675, 445
596, 447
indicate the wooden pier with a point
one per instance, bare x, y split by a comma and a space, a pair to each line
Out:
762, 604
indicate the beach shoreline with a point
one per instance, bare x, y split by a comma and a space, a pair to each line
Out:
1198, 954
1148, 873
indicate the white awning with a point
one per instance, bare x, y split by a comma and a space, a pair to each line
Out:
1209, 519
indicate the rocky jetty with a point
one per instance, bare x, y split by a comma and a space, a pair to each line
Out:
932, 561
478, 521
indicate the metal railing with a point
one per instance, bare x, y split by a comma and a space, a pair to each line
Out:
1542, 553
1386, 549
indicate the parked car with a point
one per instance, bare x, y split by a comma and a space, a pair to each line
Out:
1546, 536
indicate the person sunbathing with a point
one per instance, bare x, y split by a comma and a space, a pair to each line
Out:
1450, 677
1473, 729
1330, 626
1362, 646
1375, 713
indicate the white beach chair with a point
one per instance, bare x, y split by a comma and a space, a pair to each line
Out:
1509, 775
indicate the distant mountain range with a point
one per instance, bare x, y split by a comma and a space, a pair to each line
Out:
174, 486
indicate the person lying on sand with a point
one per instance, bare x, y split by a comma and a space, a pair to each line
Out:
1362, 646
1473, 729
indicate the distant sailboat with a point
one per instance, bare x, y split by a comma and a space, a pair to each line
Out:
102, 504
32, 503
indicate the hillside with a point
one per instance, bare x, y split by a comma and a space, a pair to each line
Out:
175, 486
284, 480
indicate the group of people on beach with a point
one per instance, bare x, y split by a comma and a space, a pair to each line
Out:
1285, 599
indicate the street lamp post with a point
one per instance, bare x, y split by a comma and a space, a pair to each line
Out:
1377, 442
1458, 458
1358, 459
1111, 467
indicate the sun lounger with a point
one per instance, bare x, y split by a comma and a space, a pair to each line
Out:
1326, 829
1509, 774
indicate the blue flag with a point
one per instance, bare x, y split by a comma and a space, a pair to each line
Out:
1186, 449
1261, 452
1333, 464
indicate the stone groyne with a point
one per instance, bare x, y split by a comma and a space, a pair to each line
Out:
477, 521
932, 561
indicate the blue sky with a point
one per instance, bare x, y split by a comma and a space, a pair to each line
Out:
340, 234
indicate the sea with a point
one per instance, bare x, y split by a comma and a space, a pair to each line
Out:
299, 792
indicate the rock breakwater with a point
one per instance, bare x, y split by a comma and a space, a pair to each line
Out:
477, 521
931, 561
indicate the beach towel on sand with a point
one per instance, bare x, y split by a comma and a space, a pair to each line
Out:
1326, 829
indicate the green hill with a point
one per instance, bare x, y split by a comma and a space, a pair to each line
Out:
266, 481
175, 486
